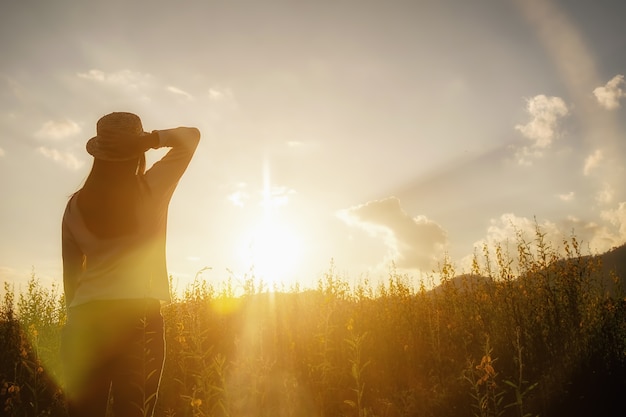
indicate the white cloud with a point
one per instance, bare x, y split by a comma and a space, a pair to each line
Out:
122, 77
617, 218
270, 196
526, 155
58, 129
179, 92
219, 93
66, 159
93, 74
123, 84
224, 96
276, 196
609, 95
542, 129
239, 198
605, 195
567, 196
592, 161
212, 104
413, 242
506, 230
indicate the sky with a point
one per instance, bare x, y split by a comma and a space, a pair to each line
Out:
357, 135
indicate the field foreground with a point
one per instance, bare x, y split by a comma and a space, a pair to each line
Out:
536, 335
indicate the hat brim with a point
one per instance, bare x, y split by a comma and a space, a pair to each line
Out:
95, 149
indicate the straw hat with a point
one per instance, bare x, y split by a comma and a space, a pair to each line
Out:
113, 132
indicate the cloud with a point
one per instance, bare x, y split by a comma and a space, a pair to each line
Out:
218, 93
58, 129
93, 74
212, 104
605, 195
269, 197
126, 82
609, 95
66, 159
123, 77
239, 198
179, 92
413, 242
223, 97
276, 196
238, 193
592, 161
566, 197
506, 230
617, 218
542, 129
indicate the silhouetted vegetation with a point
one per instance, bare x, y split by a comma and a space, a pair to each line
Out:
524, 335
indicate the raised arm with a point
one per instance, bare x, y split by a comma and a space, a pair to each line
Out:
165, 173
187, 137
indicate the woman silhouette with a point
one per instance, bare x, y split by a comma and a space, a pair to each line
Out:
114, 268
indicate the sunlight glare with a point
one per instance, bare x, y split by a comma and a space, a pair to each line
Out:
272, 249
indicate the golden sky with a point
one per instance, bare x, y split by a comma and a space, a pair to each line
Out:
368, 132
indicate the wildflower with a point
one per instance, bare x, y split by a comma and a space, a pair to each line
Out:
350, 325
33, 331
488, 371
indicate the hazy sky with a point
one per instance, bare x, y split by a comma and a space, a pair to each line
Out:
356, 130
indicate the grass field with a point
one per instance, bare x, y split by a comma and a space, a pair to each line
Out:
529, 334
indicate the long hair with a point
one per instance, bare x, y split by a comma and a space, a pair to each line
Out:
109, 199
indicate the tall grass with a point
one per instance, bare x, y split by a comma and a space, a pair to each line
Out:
534, 333
30, 333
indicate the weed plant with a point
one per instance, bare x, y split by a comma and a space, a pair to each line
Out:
538, 332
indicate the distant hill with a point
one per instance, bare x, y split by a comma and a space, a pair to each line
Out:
613, 264
614, 261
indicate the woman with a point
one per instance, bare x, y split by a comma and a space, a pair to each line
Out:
114, 268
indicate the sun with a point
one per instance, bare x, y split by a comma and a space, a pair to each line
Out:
273, 250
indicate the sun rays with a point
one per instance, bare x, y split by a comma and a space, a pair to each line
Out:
272, 248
